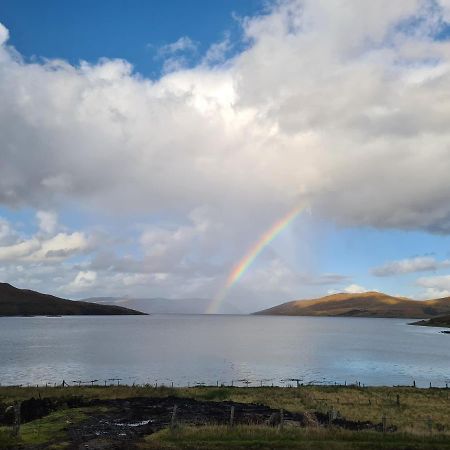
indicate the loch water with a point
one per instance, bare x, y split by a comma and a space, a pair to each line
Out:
190, 349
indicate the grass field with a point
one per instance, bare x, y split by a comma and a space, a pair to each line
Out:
421, 417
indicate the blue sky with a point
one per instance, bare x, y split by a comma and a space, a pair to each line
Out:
146, 146
120, 29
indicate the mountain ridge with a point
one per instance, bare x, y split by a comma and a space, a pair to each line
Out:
25, 302
161, 305
365, 304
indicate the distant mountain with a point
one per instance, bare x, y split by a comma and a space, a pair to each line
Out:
165, 305
441, 321
23, 302
367, 304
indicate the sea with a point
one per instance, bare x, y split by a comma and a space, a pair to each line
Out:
189, 350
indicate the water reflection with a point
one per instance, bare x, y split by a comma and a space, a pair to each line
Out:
221, 349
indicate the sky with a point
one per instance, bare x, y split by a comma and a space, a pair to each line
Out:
147, 147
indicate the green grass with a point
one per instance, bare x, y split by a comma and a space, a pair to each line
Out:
416, 405
411, 417
6, 441
47, 430
263, 437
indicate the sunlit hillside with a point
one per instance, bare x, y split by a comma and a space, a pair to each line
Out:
367, 304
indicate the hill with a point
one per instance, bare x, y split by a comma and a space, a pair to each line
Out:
441, 321
161, 305
367, 304
23, 302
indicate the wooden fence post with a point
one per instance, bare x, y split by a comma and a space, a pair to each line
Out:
384, 422
232, 417
281, 419
173, 420
16, 426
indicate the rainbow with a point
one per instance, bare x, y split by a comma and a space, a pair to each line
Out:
241, 267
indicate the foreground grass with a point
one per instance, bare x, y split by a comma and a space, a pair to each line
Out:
422, 416
47, 430
263, 437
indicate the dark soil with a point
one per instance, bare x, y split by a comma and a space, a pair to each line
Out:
130, 419
125, 421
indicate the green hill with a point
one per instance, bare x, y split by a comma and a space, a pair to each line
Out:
23, 302
367, 304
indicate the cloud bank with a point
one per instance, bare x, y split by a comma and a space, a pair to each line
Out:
341, 104
410, 265
334, 102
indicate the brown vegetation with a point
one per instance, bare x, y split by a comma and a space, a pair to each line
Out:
367, 304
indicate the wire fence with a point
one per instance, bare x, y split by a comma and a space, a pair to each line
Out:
239, 382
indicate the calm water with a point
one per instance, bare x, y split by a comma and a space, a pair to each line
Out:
190, 349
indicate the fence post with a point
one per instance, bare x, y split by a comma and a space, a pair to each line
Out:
398, 400
281, 419
173, 420
384, 422
16, 427
232, 417
430, 425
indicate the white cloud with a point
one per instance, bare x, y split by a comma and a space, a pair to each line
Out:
19, 251
48, 221
437, 285
217, 52
433, 293
4, 34
82, 281
354, 289
44, 246
445, 5
340, 104
183, 44
434, 286
325, 99
176, 54
409, 265
57, 247
7, 234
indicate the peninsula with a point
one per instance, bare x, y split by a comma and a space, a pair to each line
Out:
24, 302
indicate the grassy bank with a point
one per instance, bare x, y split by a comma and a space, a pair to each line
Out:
421, 417
260, 437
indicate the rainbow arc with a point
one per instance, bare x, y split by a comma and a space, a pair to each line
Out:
242, 266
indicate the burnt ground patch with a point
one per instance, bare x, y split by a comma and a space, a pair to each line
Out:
123, 422
36, 408
130, 419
